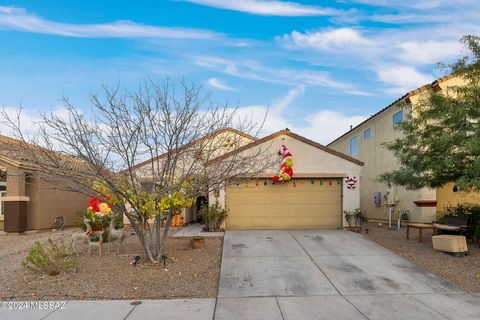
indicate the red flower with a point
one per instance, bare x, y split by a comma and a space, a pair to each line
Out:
93, 203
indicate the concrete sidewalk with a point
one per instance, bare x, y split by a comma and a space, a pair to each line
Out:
191, 309
459, 306
195, 230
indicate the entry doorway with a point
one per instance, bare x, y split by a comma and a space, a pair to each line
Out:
3, 193
2, 209
201, 201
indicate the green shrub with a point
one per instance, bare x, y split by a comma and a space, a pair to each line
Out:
357, 216
213, 216
472, 211
52, 260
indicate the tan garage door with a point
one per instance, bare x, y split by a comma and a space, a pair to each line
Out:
298, 204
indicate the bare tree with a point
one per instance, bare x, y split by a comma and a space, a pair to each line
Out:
176, 127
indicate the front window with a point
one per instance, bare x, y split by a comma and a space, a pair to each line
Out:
367, 134
398, 117
354, 146
2, 194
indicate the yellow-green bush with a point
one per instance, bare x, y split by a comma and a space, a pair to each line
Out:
51, 259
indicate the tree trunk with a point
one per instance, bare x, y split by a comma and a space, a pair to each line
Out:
141, 234
161, 252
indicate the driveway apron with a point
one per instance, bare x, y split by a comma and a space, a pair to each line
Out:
329, 274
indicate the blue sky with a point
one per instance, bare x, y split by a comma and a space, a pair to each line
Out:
320, 66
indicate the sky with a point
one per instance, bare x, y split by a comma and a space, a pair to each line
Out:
317, 66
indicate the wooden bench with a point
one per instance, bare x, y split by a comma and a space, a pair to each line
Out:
452, 223
420, 227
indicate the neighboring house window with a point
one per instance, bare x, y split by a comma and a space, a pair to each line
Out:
398, 117
354, 146
367, 134
2, 194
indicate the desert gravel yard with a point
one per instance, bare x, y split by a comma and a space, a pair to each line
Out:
463, 272
189, 273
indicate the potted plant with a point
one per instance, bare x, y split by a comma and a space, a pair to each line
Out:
197, 242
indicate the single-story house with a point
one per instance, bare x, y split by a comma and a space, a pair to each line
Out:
29, 202
315, 197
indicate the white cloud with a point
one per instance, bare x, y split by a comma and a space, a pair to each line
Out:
326, 125
415, 4
276, 118
219, 84
252, 70
406, 18
267, 7
427, 52
322, 126
282, 103
394, 55
402, 79
327, 39
29, 120
12, 18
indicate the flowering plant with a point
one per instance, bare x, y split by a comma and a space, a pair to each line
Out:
99, 205
98, 214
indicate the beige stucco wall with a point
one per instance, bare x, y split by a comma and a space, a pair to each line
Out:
54, 202
15, 180
308, 159
216, 146
378, 160
446, 197
48, 202
45, 200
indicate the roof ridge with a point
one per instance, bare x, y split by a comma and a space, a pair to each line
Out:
406, 95
293, 135
213, 134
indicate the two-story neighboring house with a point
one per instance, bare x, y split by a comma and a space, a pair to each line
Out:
366, 143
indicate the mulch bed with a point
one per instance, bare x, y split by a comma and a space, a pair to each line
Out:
463, 272
189, 273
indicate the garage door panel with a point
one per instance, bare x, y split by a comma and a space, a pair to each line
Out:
298, 204
278, 210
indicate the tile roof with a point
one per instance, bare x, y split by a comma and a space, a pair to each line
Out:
293, 135
209, 136
26, 155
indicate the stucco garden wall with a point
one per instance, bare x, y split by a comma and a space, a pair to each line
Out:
48, 201
446, 197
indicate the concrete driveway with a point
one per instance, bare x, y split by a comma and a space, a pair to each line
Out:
329, 274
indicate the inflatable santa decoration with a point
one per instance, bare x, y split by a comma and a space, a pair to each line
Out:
286, 170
